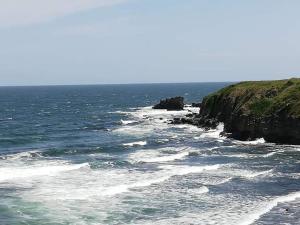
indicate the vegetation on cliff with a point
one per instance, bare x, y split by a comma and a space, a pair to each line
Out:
262, 97
269, 109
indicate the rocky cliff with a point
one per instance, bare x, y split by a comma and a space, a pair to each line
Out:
250, 110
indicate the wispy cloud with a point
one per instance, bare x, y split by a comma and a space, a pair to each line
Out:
23, 12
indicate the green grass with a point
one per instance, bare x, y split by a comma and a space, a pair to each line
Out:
262, 97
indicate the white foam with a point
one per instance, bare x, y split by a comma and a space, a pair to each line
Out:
12, 173
149, 121
215, 133
163, 140
269, 154
125, 188
166, 158
110, 183
256, 174
171, 171
265, 208
184, 170
255, 142
201, 190
137, 143
21, 155
149, 112
126, 122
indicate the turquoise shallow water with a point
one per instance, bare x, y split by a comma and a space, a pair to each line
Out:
101, 155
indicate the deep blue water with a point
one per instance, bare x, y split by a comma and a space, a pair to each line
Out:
100, 155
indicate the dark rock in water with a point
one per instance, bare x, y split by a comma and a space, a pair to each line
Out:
175, 103
197, 105
190, 115
176, 121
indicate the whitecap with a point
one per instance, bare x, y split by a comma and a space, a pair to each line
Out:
137, 143
166, 158
255, 142
12, 173
269, 154
214, 133
256, 174
110, 191
171, 171
29, 154
201, 190
267, 207
159, 155
184, 170
126, 122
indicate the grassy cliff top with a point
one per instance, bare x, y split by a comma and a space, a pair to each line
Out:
262, 98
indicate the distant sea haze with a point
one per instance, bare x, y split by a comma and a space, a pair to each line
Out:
101, 155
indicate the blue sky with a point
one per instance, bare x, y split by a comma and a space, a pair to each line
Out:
146, 41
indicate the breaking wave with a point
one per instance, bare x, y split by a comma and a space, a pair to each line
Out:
137, 143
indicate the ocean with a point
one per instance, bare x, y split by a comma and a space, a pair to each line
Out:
99, 154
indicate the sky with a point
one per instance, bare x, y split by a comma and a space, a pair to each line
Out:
147, 41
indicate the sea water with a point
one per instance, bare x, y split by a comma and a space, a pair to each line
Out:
101, 155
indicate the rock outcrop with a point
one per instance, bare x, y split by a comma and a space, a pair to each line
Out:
250, 110
176, 103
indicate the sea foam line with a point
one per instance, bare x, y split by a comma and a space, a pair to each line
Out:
126, 122
255, 142
168, 171
256, 174
269, 154
166, 158
12, 173
268, 207
173, 171
184, 170
30, 154
137, 143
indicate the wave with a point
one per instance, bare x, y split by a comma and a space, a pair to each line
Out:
126, 122
148, 179
125, 188
225, 180
269, 154
30, 154
201, 190
137, 143
173, 171
166, 158
184, 170
12, 173
268, 207
255, 142
215, 133
256, 174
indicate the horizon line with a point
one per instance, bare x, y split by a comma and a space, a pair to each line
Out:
137, 83
102, 84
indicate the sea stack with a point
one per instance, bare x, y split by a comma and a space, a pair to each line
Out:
176, 103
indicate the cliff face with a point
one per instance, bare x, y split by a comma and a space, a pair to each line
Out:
250, 110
